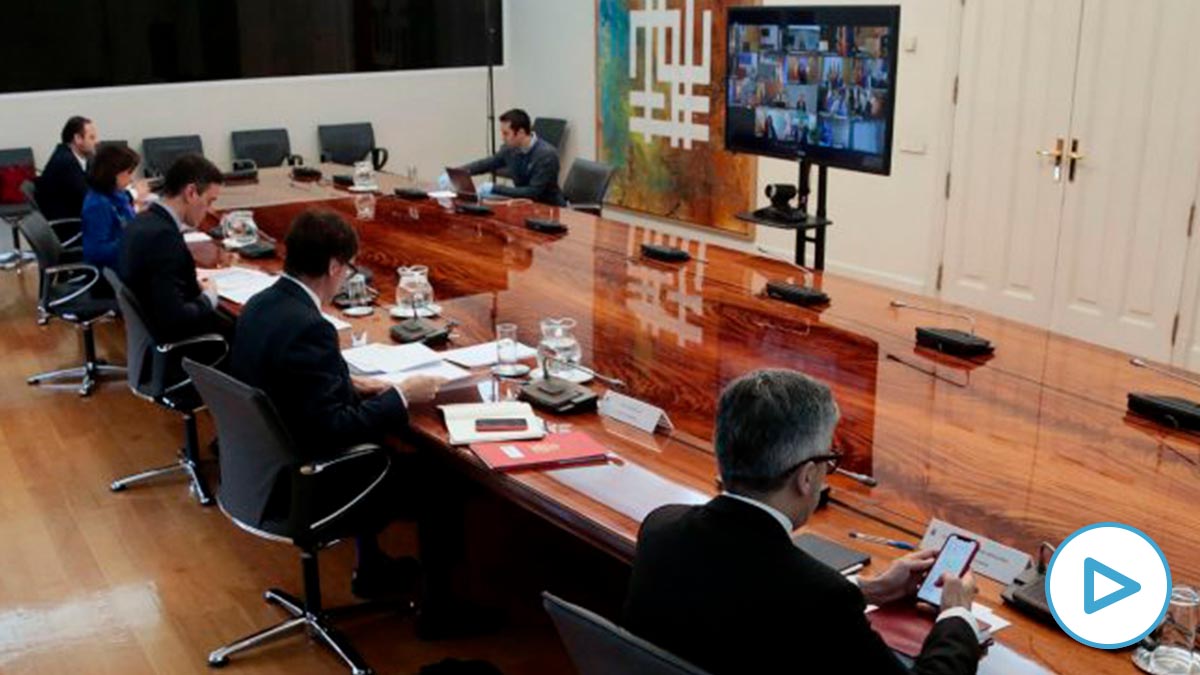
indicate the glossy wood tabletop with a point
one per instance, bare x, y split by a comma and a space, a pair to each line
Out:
1024, 447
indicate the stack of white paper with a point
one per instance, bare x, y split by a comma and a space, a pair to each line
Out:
380, 358
446, 371
238, 284
461, 417
483, 354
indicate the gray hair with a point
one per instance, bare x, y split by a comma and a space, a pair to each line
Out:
768, 421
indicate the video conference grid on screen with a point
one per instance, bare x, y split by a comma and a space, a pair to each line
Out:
797, 86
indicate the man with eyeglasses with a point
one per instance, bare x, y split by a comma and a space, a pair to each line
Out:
722, 585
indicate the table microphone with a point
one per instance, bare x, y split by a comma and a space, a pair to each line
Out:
1174, 411
803, 295
563, 396
949, 340
857, 477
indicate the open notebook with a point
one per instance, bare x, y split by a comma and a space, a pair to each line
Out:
461, 418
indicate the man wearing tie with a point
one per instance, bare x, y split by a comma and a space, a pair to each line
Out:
722, 585
156, 265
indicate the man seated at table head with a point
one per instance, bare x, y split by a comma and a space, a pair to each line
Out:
156, 265
62, 185
287, 348
722, 585
531, 162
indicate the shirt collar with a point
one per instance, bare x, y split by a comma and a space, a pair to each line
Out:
79, 158
784, 521
313, 296
174, 216
532, 142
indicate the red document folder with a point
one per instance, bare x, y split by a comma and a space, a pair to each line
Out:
904, 627
552, 451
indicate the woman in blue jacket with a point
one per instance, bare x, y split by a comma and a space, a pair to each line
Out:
108, 205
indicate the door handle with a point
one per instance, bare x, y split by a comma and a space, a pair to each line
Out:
1074, 156
1057, 154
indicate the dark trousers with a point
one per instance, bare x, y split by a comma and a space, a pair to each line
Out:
412, 488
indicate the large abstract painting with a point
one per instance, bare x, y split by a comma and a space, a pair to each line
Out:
660, 79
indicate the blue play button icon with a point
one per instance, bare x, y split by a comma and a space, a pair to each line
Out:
1092, 604
1134, 608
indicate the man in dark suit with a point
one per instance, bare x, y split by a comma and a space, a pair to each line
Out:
289, 350
723, 586
531, 162
156, 265
60, 189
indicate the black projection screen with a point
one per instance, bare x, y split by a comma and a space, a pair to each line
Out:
71, 44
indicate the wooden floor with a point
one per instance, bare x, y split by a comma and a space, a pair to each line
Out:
147, 581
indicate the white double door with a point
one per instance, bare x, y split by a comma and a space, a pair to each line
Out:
1075, 167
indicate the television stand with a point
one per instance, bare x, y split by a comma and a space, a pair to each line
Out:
809, 228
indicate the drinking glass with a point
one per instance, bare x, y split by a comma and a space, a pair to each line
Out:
1177, 636
558, 348
364, 205
413, 292
356, 291
239, 227
364, 175
506, 352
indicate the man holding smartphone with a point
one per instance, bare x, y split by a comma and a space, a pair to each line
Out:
723, 586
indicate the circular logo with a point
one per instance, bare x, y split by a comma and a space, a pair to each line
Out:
1108, 585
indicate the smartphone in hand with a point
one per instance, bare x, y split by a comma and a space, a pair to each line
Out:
955, 557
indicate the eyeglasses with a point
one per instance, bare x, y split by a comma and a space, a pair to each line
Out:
831, 459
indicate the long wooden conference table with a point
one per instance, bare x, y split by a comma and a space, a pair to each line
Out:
1024, 447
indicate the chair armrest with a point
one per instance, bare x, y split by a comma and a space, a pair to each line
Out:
199, 339
294, 160
54, 271
308, 480
357, 452
177, 351
70, 241
591, 208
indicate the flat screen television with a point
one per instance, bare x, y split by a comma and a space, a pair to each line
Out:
813, 82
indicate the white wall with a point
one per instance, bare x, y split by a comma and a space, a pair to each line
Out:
430, 118
892, 238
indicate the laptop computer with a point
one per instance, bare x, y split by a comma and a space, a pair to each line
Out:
464, 188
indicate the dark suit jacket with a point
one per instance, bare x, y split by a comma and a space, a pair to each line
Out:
287, 349
61, 187
156, 265
723, 586
534, 174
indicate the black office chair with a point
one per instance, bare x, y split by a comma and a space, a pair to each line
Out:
116, 142
158, 154
256, 451
13, 213
156, 374
586, 185
65, 291
597, 646
350, 143
265, 147
68, 230
550, 129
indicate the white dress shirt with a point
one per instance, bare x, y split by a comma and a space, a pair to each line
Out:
786, 524
210, 294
